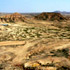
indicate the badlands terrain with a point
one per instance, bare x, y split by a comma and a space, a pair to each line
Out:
40, 42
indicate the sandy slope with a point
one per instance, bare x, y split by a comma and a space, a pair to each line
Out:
11, 43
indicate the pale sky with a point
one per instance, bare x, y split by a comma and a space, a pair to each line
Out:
27, 6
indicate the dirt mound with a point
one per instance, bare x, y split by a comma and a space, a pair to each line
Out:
50, 16
15, 17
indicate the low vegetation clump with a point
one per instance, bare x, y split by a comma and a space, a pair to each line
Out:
25, 32
61, 53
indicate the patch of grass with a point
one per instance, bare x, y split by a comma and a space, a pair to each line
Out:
64, 68
59, 53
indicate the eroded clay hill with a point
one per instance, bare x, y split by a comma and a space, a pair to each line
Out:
50, 16
15, 17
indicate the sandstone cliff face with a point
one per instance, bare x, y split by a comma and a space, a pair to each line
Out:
12, 18
50, 16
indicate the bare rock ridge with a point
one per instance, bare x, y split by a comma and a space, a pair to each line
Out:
50, 16
15, 17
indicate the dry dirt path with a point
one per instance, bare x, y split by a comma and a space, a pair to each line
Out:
20, 52
4, 43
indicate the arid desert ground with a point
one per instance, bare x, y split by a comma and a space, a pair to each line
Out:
35, 42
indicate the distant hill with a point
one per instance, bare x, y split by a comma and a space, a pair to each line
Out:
1, 14
50, 16
62, 12
15, 17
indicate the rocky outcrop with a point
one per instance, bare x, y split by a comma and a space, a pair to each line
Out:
50, 16
12, 18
